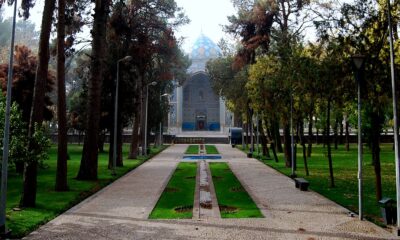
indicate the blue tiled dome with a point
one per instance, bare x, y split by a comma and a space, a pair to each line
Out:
205, 48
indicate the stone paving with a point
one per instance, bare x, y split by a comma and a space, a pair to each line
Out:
120, 211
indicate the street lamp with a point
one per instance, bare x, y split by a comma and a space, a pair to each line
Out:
358, 61
3, 230
145, 121
395, 127
125, 59
258, 136
293, 175
161, 130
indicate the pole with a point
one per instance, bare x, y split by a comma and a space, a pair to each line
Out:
292, 135
396, 129
258, 137
115, 121
252, 135
161, 134
360, 183
145, 121
6, 138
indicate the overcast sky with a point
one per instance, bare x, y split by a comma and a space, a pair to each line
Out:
206, 16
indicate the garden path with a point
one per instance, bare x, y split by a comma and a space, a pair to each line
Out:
120, 211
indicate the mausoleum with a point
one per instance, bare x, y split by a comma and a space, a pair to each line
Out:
194, 105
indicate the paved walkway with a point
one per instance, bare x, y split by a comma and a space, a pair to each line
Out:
120, 211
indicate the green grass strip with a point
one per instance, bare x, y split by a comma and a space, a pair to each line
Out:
233, 200
50, 203
177, 199
192, 149
211, 149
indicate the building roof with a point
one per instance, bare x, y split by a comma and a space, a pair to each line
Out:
203, 50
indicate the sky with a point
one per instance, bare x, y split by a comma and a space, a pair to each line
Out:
206, 16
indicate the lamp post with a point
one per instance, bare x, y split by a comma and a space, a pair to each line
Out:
258, 136
4, 168
125, 59
358, 61
145, 121
161, 130
293, 175
395, 127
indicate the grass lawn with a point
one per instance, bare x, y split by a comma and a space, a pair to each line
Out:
192, 149
345, 173
177, 199
233, 200
211, 149
49, 203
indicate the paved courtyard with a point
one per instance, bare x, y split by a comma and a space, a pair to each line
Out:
120, 211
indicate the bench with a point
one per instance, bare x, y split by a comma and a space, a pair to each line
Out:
301, 183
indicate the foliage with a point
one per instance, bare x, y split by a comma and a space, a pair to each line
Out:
179, 193
26, 5
18, 142
18, 151
41, 141
25, 65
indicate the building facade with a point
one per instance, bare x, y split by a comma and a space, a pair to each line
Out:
194, 105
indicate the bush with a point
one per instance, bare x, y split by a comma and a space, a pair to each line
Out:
19, 141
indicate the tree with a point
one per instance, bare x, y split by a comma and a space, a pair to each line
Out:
25, 65
362, 27
62, 155
143, 30
28, 198
89, 161
26, 5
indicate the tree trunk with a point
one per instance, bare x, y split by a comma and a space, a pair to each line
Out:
328, 143
317, 136
341, 130
310, 134
100, 144
28, 197
347, 135
264, 141
303, 144
89, 161
19, 167
62, 154
288, 150
251, 129
336, 135
273, 144
375, 142
143, 120
133, 151
111, 150
277, 136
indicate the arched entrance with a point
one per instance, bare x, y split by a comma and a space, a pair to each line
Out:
200, 108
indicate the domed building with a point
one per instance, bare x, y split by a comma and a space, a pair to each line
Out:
194, 105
